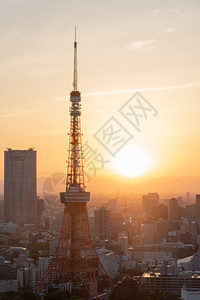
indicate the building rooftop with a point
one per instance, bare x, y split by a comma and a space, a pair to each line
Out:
188, 274
18, 249
184, 260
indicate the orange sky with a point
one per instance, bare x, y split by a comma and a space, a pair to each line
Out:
130, 45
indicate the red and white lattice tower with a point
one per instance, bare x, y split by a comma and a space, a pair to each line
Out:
75, 261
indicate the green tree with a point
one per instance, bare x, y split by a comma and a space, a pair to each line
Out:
8, 296
60, 295
144, 295
34, 249
157, 295
27, 295
172, 297
21, 295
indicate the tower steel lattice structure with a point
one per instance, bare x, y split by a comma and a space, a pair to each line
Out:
75, 261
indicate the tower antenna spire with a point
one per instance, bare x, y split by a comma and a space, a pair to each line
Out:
75, 33
75, 82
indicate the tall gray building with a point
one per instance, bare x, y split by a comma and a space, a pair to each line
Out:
20, 189
102, 223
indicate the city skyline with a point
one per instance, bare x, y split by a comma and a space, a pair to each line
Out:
101, 162
152, 48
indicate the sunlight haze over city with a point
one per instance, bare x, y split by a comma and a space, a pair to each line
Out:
123, 47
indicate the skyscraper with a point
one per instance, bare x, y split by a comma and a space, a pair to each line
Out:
198, 206
20, 191
149, 201
173, 204
102, 223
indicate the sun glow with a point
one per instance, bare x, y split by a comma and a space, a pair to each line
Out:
132, 162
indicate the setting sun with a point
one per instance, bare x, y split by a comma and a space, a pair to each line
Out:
132, 162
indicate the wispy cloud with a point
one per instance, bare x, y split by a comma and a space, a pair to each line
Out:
176, 11
13, 2
10, 115
15, 114
173, 87
12, 36
169, 30
173, 10
142, 44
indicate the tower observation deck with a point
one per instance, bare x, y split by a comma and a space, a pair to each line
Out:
75, 262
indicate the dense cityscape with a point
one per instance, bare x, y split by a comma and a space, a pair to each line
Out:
144, 242
99, 179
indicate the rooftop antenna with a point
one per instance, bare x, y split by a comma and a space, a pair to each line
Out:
75, 82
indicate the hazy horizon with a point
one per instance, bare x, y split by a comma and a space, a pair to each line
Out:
168, 185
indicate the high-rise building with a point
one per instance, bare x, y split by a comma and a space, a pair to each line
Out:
20, 191
113, 205
198, 206
160, 212
187, 197
175, 211
123, 241
30, 276
1, 209
149, 232
40, 210
149, 201
102, 223
109, 261
43, 264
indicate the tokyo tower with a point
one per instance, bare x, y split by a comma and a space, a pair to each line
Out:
75, 263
